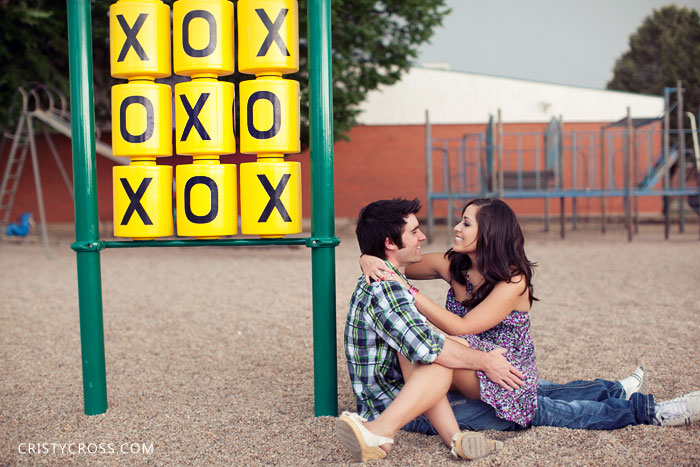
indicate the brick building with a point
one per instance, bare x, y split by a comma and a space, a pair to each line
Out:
386, 154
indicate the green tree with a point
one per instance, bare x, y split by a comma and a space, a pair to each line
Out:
34, 46
665, 48
374, 42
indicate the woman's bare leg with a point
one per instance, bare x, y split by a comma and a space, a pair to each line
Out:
427, 385
440, 415
466, 382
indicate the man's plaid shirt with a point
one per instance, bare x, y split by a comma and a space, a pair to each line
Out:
383, 320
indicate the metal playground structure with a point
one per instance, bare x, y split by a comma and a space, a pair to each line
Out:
88, 245
45, 108
628, 159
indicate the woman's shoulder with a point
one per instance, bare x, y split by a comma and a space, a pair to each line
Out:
515, 278
517, 281
517, 289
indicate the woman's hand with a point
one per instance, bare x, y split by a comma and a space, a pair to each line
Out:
375, 269
400, 280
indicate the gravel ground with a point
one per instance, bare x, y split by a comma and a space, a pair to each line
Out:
209, 352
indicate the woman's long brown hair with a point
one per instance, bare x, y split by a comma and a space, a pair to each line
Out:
500, 247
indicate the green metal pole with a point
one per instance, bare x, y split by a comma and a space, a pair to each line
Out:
86, 220
322, 207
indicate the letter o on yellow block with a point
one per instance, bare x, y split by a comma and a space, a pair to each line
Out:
270, 116
206, 200
270, 198
268, 36
203, 37
204, 117
143, 201
139, 39
141, 120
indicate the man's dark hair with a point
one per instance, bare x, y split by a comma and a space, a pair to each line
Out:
383, 219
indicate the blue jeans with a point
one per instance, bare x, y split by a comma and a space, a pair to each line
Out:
590, 405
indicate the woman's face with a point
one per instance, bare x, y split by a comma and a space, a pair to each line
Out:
466, 231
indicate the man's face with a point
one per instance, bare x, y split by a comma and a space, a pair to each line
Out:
412, 237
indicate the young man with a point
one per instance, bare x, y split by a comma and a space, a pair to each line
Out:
383, 324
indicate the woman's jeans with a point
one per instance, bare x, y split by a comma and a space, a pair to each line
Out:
590, 405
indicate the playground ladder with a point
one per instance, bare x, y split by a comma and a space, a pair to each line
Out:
13, 172
10, 181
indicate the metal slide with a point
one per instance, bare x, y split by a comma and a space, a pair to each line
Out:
59, 123
657, 171
47, 105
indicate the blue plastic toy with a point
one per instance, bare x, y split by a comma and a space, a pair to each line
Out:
21, 227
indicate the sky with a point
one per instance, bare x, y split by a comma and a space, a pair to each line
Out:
555, 41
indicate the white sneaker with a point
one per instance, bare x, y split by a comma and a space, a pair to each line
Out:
636, 382
680, 411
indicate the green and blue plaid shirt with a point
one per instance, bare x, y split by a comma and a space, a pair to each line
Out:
383, 320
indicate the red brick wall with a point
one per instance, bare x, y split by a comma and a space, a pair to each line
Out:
378, 162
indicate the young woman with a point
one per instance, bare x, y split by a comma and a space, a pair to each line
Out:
488, 304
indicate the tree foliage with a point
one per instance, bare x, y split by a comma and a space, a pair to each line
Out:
665, 48
374, 42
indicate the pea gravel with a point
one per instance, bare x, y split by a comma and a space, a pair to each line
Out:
209, 352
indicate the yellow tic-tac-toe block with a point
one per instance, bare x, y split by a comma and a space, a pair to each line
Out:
139, 39
268, 37
269, 116
206, 199
141, 119
204, 117
270, 198
203, 37
143, 200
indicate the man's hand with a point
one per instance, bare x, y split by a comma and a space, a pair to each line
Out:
501, 372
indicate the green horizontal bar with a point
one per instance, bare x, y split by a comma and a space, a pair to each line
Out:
219, 242
310, 242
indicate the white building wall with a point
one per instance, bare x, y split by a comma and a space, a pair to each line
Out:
457, 97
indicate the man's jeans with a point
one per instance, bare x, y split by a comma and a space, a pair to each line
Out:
591, 405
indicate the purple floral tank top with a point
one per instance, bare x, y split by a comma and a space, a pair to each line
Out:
512, 334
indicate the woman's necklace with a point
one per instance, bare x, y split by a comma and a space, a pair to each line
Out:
470, 287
